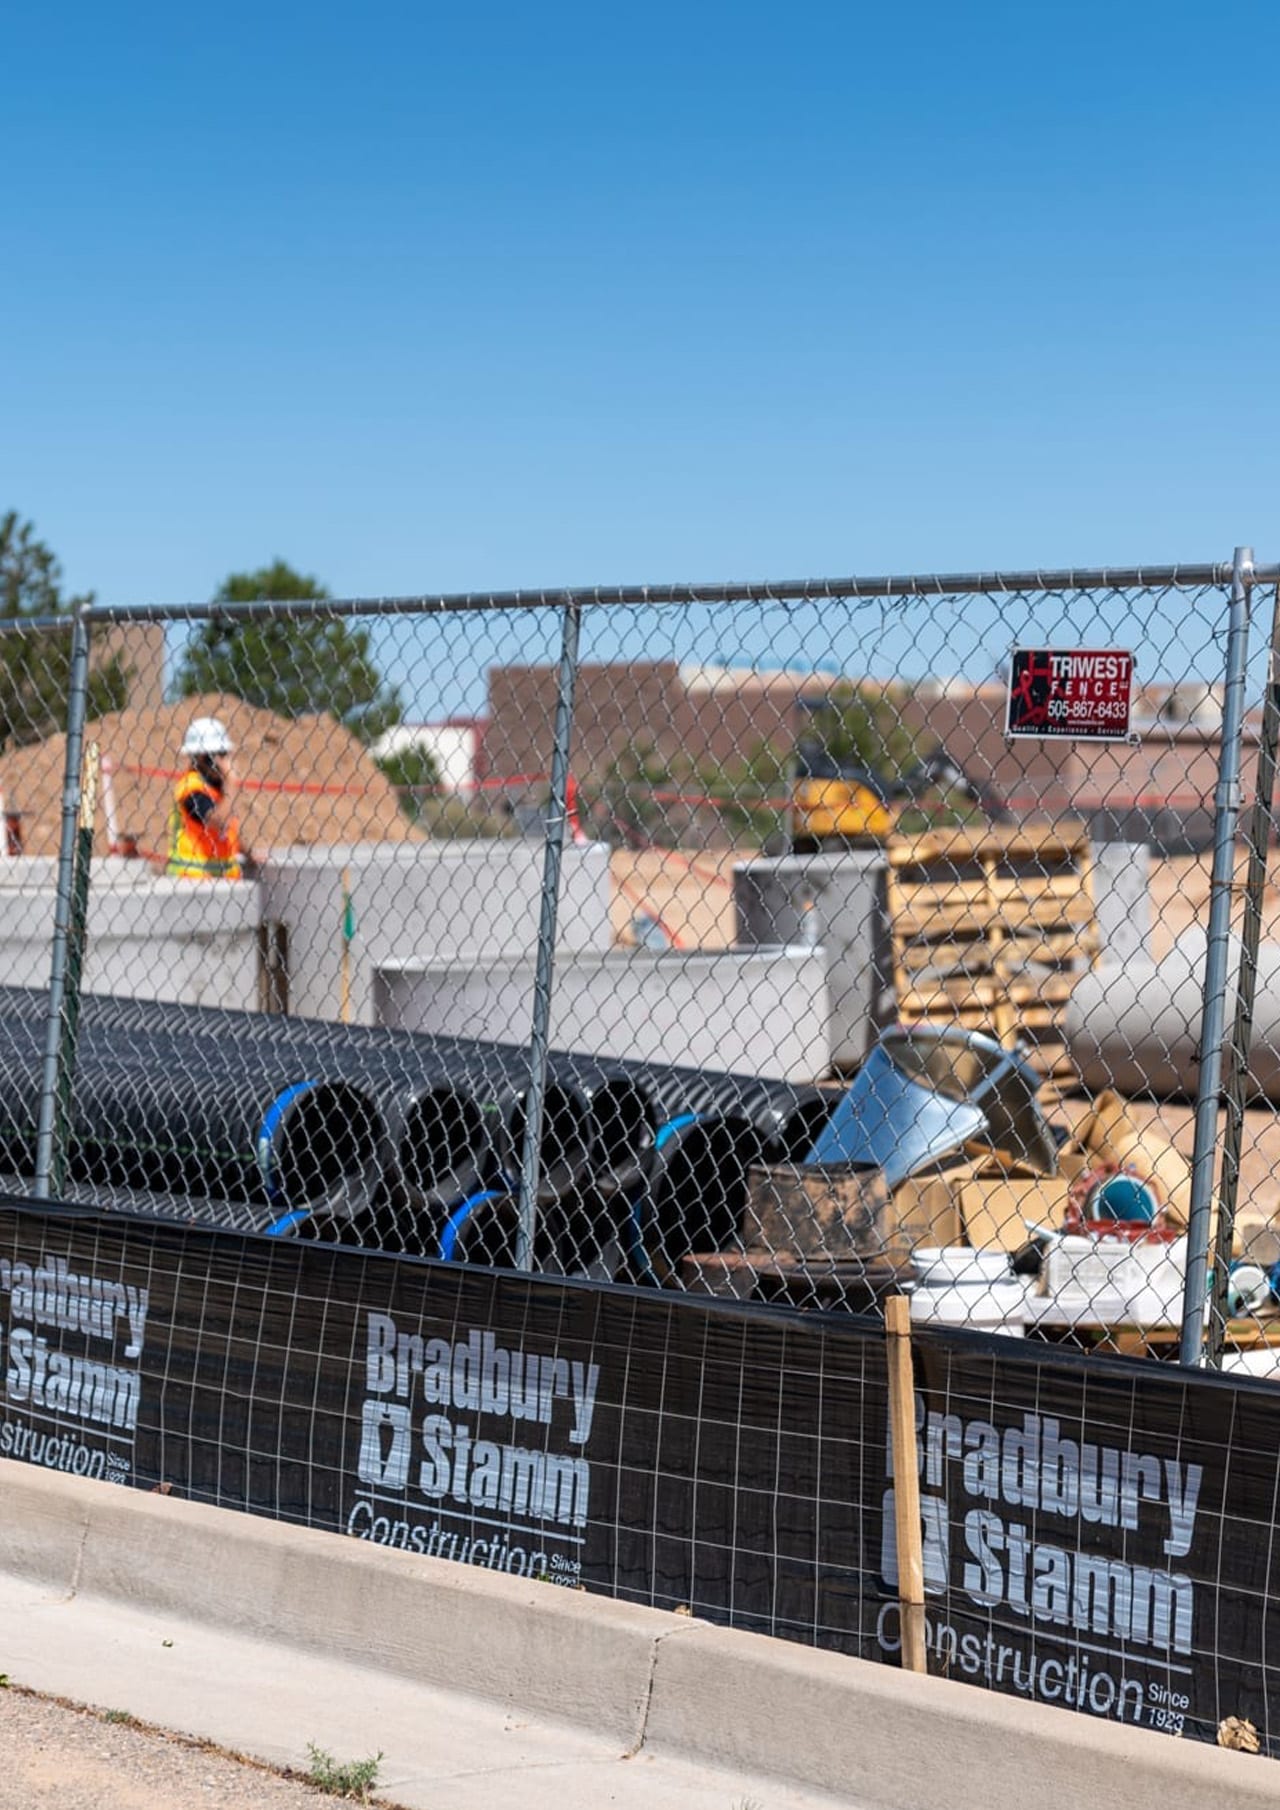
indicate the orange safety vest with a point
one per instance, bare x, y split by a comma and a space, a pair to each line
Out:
197, 851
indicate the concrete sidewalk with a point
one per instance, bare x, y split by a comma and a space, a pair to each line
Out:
441, 1750
483, 1690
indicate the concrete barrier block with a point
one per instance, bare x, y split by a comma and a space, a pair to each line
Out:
549, 1650
637, 1676
43, 1525
881, 1737
758, 1011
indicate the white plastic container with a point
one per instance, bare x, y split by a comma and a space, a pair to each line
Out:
959, 1265
1117, 1281
959, 1286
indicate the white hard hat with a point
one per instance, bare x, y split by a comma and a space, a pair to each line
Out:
206, 736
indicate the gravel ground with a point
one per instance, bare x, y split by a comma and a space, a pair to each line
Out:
69, 1758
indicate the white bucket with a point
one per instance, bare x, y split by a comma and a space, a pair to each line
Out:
959, 1286
944, 1266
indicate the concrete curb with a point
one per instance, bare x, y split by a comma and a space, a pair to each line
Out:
456, 1627
899, 1742
638, 1676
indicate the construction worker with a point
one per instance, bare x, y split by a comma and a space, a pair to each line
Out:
204, 838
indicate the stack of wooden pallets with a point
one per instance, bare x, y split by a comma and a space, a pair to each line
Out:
992, 930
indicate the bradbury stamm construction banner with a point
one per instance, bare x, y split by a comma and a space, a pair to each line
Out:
1093, 1533
1098, 1534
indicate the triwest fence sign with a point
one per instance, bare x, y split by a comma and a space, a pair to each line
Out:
1097, 1534
1083, 692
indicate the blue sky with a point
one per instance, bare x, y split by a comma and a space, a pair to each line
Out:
425, 297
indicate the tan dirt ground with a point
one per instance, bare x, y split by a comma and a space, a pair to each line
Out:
302, 781
60, 1757
1180, 898
691, 895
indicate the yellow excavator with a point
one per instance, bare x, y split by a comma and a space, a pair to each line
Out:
837, 803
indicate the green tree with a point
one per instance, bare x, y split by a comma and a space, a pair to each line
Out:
35, 664
320, 664
415, 774
750, 791
863, 728
625, 799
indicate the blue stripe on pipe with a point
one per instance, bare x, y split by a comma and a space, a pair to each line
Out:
636, 1252
459, 1217
270, 1125
665, 1132
279, 1227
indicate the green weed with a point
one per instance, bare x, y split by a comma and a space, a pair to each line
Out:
343, 1778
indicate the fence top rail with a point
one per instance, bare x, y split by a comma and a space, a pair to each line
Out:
37, 625
786, 590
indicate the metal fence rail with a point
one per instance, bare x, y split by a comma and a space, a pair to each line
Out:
712, 937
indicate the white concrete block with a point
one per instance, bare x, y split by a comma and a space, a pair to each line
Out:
762, 1012
421, 901
148, 936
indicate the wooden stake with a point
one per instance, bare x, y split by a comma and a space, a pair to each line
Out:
906, 1483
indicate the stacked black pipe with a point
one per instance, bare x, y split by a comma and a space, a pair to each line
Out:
399, 1139
254, 1133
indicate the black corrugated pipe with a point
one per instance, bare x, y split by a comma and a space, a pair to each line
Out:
693, 1198
462, 1138
230, 1125
623, 1118
601, 1117
199, 1210
578, 1235
302, 1147
483, 1085
485, 1229
21, 1055
786, 1115
444, 1146
495, 1074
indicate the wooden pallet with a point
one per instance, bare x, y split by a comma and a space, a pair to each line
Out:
991, 931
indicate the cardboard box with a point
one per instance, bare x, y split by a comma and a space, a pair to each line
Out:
925, 1209
998, 1210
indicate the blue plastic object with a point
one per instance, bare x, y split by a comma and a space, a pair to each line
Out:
1122, 1197
271, 1123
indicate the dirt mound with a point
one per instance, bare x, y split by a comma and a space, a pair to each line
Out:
306, 780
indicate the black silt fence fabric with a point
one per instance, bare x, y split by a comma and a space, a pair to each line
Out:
1097, 1534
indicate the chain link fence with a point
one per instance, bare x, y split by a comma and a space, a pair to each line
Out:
719, 939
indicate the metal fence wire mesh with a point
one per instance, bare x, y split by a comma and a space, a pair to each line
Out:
715, 940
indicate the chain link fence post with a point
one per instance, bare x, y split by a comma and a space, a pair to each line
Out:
1258, 841
55, 1052
1217, 957
544, 973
